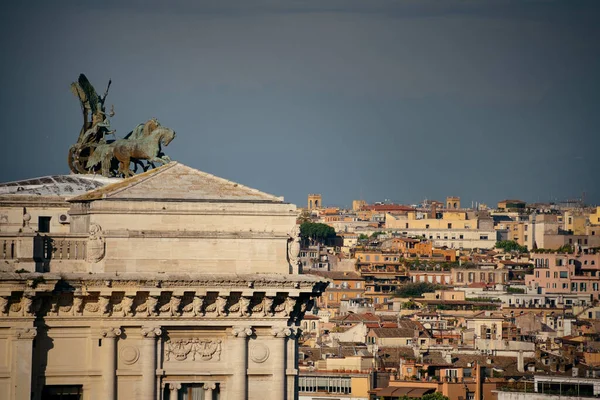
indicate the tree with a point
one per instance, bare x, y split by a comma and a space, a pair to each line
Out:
416, 289
435, 396
511, 245
304, 217
316, 232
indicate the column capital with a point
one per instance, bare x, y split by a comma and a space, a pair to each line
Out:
241, 332
26, 333
151, 332
111, 333
209, 386
281, 332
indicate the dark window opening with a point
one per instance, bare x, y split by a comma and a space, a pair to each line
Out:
62, 392
44, 224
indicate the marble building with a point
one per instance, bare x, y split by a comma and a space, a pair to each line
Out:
172, 284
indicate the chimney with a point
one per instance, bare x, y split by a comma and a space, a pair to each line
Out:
433, 210
520, 362
478, 380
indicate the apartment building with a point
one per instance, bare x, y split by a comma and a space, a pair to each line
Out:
455, 229
566, 273
480, 275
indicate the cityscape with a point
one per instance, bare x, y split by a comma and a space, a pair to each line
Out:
300, 200
489, 302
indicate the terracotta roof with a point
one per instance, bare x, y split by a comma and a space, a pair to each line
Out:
310, 317
435, 358
356, 318
507, 364
316, 353
393, 332
389, 357
386, 207
396, 392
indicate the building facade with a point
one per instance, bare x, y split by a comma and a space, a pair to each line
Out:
169, 284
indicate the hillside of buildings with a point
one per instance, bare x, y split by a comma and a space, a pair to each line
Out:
470, 303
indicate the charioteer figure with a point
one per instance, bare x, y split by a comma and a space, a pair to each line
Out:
94, 153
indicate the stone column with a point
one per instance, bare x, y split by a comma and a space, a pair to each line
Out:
22, 362
209, 387
148, 360
109, 369
238, 359
279, 362
173, 389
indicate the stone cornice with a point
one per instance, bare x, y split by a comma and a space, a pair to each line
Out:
168, 280
233, 297
12, 200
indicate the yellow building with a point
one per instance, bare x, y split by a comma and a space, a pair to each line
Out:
517, 231
595, 217
575, 222
455, 229
357, 205
417, 220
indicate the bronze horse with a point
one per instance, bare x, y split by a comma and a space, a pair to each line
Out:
146, 147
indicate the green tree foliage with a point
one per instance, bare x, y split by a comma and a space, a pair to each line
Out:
511, 245
435, 396
416, 289
316, 232
304, 217
431, 396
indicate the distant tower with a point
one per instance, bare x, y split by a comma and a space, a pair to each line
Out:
315, 201
452, 203
358, 204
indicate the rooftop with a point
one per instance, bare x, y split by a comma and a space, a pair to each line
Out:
57, 185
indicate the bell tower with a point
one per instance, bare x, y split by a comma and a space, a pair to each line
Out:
315, 201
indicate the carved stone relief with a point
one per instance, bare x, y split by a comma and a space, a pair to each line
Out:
294, 248
123, 302
259, 353
204, 349
129, 354
96, 244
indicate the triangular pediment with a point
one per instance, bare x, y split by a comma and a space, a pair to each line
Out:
177, 182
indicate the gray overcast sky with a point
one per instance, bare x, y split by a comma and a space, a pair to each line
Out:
397, 100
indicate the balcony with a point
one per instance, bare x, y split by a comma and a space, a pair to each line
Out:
34, 252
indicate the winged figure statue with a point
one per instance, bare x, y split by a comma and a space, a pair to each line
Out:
95, 153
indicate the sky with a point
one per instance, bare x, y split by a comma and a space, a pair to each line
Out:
353, 99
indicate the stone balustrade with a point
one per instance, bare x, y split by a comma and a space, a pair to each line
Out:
23, 250
8, 248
